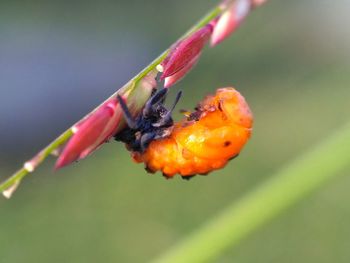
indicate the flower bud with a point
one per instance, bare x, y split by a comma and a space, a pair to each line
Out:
105, 122
185, 51
230, 20
171, 80
89, 134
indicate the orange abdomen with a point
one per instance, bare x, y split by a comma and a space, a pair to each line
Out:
199, 146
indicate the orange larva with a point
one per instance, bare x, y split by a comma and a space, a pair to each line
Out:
204, 141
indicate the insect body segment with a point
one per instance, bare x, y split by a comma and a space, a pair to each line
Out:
153, 123
205, 141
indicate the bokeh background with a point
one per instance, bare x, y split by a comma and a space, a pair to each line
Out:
59, 59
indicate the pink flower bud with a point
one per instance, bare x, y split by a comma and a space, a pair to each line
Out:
93, 131
185, 51
105, 122
171, 80
230, 20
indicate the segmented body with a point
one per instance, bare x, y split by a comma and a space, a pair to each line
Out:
205, 141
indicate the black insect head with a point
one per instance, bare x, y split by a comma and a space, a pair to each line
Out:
154, 122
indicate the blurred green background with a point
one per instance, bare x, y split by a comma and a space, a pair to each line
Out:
59, 59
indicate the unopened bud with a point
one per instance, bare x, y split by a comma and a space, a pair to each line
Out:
90, 133
230, 20
185, 51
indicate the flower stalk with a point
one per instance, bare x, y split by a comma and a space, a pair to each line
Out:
131, 90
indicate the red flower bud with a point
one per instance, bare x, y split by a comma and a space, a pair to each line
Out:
230, 20
105, 122
89, 134
171, 80
185, 51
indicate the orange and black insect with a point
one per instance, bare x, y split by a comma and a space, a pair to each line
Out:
204, 141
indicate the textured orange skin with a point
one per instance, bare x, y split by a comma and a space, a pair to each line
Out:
206, 144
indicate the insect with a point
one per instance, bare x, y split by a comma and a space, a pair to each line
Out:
204, 141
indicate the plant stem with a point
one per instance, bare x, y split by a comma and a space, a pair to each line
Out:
258, 207
40, 157
43, 154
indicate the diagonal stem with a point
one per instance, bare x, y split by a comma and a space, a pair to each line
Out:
129, 87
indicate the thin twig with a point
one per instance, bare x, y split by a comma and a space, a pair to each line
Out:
31, 165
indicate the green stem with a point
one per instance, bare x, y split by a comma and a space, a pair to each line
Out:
43, 154
288, 186
39, 158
